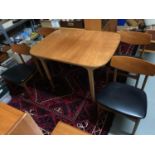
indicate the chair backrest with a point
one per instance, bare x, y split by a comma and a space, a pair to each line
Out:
152, 33
45, 31
133, 65
135, 38
21, 49
131, 41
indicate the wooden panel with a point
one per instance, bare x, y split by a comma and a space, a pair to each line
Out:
26, 126
21, 48
93, 24
111, 25
3, 56
78, 46
16, 122
135, 38
8, 117
65, 129
45, 31
133, 65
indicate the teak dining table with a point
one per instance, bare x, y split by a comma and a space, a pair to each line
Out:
85, 48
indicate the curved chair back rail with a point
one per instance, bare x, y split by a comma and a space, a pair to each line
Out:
21, 49
135, 38
133, 65
45, 31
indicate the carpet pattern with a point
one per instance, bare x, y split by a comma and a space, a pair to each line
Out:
71, 102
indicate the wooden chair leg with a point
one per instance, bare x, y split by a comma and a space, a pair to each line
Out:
91, 83
136, 126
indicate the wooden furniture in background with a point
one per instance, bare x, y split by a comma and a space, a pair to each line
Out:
16, 122
3, 52
151, 47
45, 31
65, 129
3, 56
93, 24
110, 25
101, 24
88, 49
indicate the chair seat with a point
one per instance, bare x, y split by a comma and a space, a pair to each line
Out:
124, 99
18, 73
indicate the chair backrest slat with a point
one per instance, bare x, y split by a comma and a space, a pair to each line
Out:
135, 38
133, 65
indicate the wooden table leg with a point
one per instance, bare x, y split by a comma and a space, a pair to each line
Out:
47, 72
91, 83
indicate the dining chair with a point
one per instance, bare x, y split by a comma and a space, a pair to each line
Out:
130, 43
122, 98
134, 40
20, 74
45, 31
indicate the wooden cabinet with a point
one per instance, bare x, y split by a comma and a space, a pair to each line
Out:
110, 25
93, 24
101, 24
16, 122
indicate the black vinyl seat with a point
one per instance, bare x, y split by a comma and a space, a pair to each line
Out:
22, 73
124, 99
19, 73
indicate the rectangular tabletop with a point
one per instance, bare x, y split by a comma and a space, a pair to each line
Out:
78, 46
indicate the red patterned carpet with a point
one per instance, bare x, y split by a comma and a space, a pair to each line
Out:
69, 102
